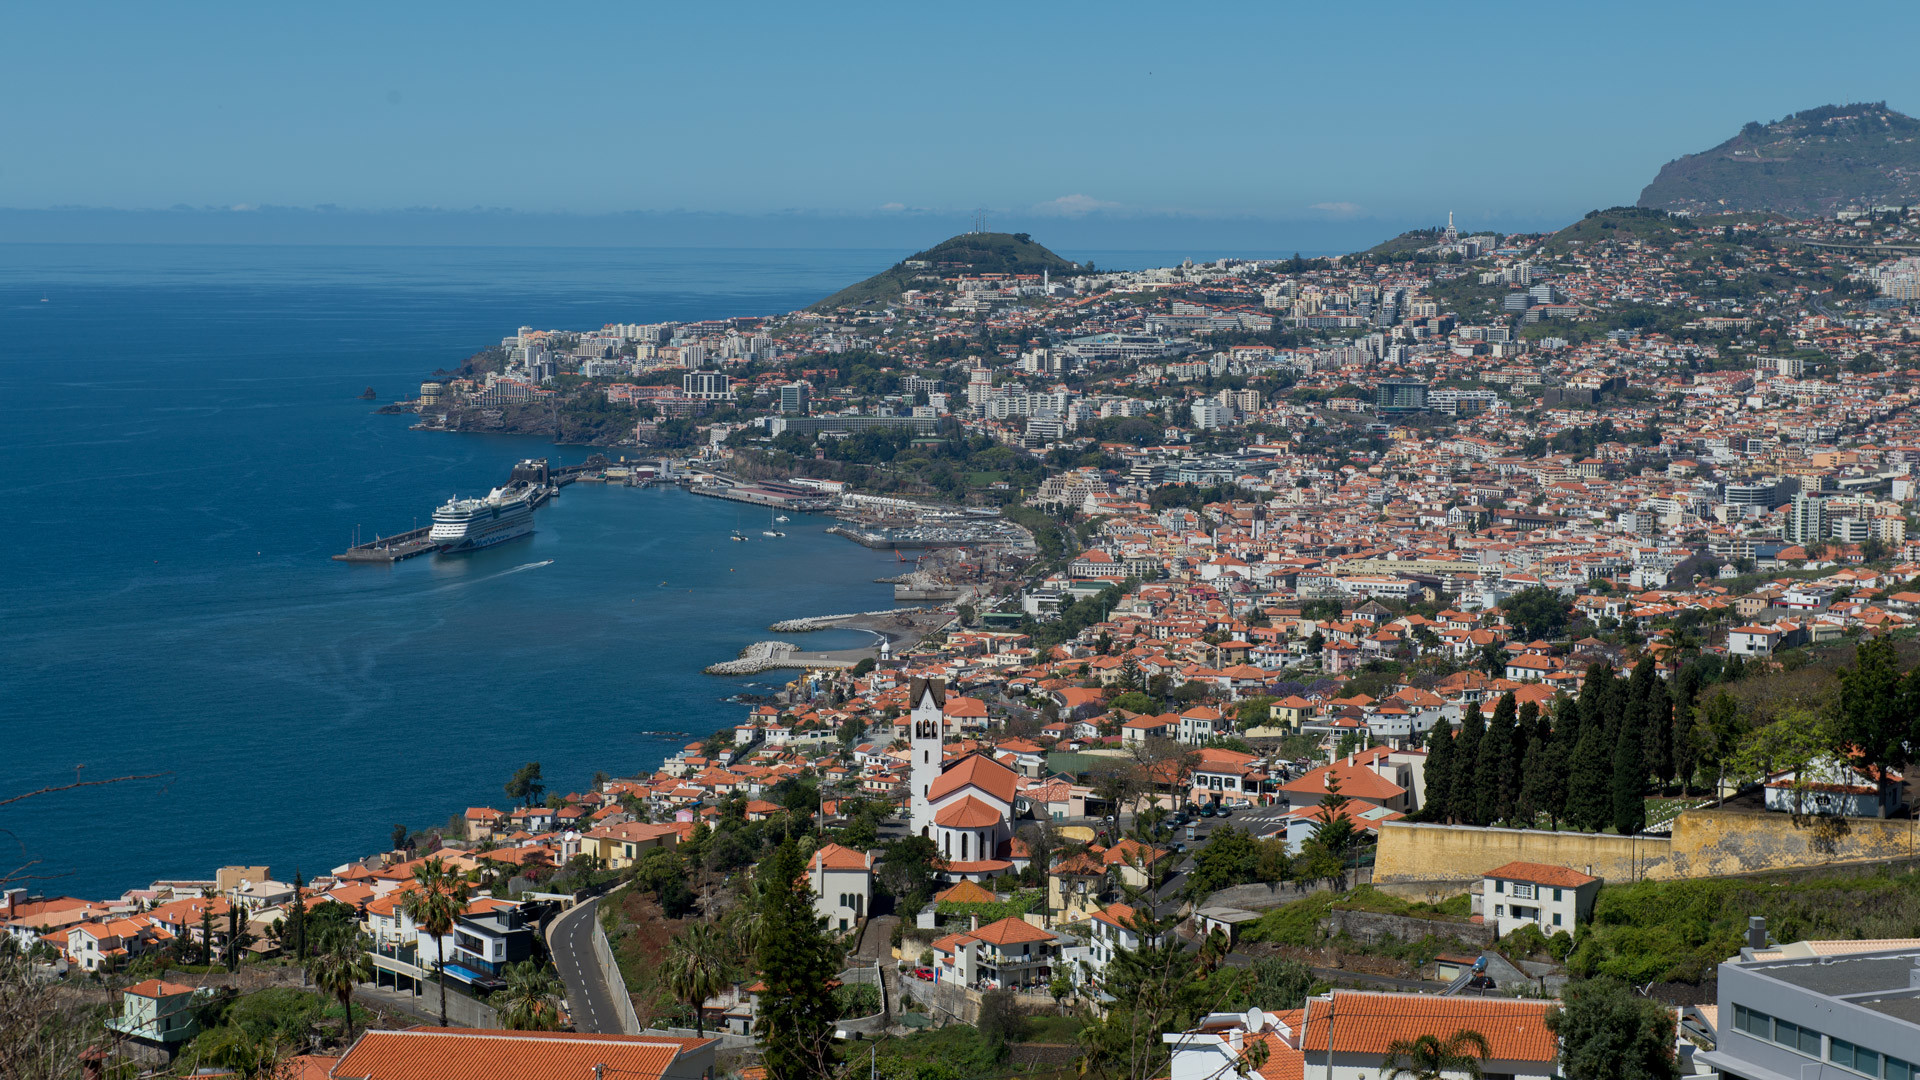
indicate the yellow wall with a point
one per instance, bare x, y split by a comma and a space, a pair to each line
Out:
1705, 843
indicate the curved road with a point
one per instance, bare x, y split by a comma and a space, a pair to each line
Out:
590, 1000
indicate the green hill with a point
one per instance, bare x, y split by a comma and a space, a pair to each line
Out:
1410, 241
1810, 163
968, 253
1656, 227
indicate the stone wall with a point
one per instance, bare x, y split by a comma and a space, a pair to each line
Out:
1705, 843
1711, 843
1371, 928
1427, 853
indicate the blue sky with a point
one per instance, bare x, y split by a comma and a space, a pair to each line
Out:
1512, 115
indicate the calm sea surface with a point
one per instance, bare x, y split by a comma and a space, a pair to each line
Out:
184, 447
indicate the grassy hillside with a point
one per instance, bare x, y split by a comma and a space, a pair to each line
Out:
1650, 226
1810, 163
1409, 241
1681, 930
968, 253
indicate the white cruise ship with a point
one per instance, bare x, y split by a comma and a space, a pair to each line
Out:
471, 524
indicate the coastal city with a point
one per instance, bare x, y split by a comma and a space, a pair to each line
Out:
1428, 660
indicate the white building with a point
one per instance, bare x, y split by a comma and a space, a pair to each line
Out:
842, 881
1553, 898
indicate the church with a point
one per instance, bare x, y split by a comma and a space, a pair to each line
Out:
965, 806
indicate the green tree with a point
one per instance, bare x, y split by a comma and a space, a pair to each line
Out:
1629, 781
1878, 710
294, 936
1465, 798
1432, 1058
1538, 613
434, 904
1494, 794
1229, 857
1440, 770
797, 961
1543, 788
340, 965
697, 968
1589, 786
1607, 1032
531, 999
237, 935
525, 788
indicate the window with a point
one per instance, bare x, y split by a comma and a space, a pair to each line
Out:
1894, 1069
1795, 1037
1556, 918
1522, 891
1556, 894
1499, 886
1757, 1024
1499, 910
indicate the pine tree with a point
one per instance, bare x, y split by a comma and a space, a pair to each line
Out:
1629, 782
1589, 803
1439, 771
1494, 799
797, 1013
1593, 694
1464, 799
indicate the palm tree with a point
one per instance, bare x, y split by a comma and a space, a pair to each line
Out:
337, 966
1430, 1058
434, 903
696, 968
531, 999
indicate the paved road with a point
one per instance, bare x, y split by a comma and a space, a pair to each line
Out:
590, 999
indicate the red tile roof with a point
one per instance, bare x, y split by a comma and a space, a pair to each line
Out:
1541, 874
436, 1053
1366, 1023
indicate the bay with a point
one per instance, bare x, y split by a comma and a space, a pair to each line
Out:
184, 447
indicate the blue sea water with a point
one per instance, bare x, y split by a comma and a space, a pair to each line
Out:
183, 447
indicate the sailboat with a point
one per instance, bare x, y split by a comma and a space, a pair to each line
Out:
770, 531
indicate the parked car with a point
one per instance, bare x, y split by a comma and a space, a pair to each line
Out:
923, 973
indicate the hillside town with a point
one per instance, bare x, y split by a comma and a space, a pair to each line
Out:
1406, 660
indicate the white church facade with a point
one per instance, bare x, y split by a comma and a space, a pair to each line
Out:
965, 806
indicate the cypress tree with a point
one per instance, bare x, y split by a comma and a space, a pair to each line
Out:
293, 936
1589, 802
1464, 796
1439, 771
1629, 782
1544, 790
1493, 801
1660, 749
1593, 693
1686, 743
1526, 735
796, 960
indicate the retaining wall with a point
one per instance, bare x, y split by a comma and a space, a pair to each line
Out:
1371, 927
1705, 843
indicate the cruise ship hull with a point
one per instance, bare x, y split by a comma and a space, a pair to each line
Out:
472, 524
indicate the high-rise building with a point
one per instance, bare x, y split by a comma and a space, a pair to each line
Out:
1807, 520
1400, 395
706, 385
793, 398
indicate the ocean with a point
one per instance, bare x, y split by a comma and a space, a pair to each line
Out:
185, 447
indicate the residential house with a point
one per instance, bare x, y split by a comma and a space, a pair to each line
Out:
1553, 898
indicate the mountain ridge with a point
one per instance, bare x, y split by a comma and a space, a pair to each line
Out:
1809, 163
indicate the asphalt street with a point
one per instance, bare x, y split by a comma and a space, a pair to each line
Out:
590, 998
